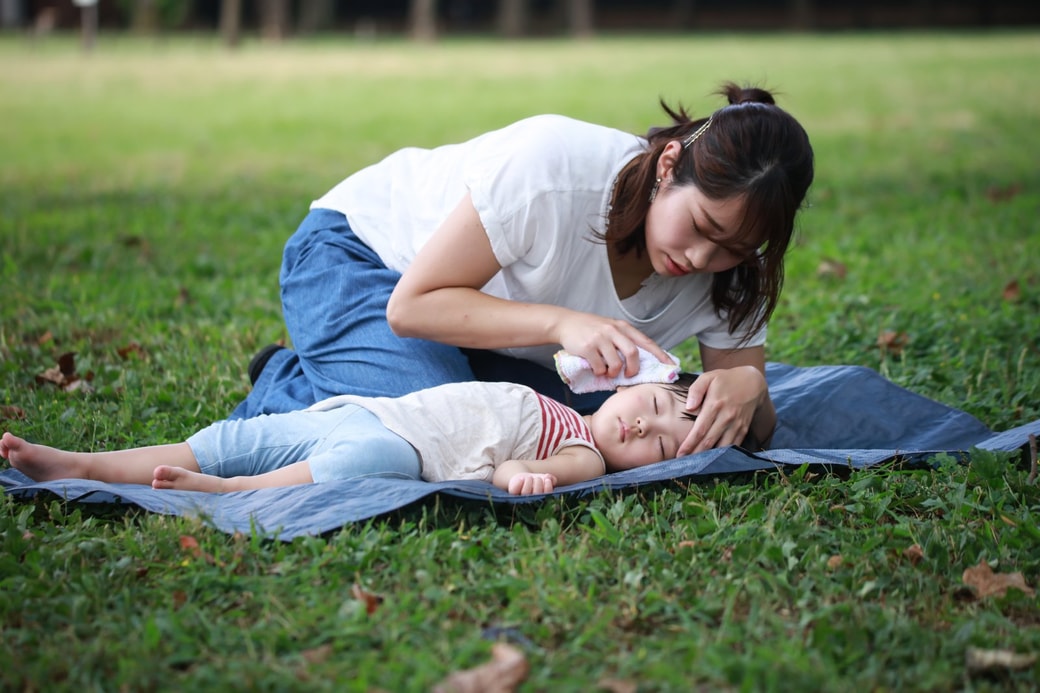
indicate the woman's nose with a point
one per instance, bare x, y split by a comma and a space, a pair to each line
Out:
700, 254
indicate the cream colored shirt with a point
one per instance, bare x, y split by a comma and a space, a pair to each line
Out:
463, 430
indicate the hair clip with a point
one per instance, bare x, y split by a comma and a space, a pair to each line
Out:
700, 131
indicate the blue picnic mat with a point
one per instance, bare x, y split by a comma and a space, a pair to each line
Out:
845, 416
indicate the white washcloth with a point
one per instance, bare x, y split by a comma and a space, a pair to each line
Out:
576, 372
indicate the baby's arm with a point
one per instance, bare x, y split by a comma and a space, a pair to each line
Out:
569, 466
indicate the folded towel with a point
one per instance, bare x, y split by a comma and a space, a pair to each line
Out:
576, 372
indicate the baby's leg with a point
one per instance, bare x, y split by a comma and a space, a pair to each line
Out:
133, 466
182, 479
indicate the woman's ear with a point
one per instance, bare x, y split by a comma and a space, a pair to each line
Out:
668, 158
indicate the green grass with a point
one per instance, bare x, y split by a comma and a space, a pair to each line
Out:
146, 192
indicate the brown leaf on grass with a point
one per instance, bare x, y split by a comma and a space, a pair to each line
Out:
914, 554
64, 375
979, 661
617, 686
183, 297
370, 599
834, 562
986, 583
180, 598
1012, 291
831, 269
317, 655
44, 338
190, 545
1003, 193
131, 349
507, 669
9, 412
891, 342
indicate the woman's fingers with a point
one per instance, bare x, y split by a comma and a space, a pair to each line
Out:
610, 346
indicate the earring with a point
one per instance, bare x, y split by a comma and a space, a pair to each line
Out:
653, 191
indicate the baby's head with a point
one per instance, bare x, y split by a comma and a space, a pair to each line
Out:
642, 424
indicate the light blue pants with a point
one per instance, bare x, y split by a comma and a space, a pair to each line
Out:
334, 295
344, 443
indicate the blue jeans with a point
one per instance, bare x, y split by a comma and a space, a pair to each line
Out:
334, 295
344, 443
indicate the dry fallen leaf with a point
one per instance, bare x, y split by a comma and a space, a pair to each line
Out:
892, 342
617, 686
986, 583
834, 562
1003, 193
914, 554
829, 268
64, 375
190, 545
370, 599
978, 660
9, 412
1012, 291
317, 655
507, 669
131, 349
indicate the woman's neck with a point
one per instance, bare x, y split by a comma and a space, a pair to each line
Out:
628, 271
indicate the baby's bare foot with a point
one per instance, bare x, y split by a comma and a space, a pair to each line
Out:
180, 479
39, 462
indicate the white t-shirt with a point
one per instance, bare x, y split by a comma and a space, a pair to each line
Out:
542, 188
464, 430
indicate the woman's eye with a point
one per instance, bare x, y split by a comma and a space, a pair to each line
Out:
655, 405
660, 443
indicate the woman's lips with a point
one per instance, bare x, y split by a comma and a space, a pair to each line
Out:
624, 430
673, 268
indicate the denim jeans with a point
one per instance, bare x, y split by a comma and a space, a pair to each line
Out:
343, 443
334, 295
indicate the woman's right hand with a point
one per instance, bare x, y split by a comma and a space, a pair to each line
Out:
609, 345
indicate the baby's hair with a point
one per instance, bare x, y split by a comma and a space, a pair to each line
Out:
680, 388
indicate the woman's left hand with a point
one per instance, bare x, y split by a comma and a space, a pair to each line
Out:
725, 401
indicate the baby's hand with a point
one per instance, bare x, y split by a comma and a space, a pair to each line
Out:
530, 483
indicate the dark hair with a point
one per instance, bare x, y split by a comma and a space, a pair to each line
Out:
751, 148
680, 388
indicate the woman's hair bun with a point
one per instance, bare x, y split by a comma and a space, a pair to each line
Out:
736, 94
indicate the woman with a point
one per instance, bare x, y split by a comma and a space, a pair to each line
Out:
479, 260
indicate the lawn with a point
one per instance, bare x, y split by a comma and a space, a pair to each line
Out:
146, 191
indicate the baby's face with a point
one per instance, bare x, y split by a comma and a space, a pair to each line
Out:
640, 425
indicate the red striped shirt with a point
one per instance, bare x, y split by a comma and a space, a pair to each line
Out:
559, 423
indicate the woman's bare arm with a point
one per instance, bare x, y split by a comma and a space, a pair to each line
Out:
439, 298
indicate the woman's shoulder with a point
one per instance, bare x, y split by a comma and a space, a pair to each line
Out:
568, 129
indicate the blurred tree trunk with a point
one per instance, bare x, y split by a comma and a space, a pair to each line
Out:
11, 14
422, 18
316, 15
144, 17
579, 17
231, 22
512, 17
683, 13
89, 18
274, 19
801, 16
